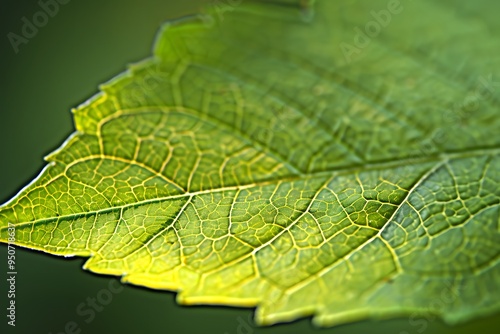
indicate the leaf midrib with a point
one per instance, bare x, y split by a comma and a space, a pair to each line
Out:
439, 159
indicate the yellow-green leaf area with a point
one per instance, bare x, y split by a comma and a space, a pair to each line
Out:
253, 161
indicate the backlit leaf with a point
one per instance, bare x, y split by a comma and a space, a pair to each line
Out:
340, 161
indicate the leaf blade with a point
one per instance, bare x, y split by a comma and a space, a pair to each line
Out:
233, 185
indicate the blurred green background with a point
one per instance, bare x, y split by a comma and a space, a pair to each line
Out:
87, 43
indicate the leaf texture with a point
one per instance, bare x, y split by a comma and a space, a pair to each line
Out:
253, 162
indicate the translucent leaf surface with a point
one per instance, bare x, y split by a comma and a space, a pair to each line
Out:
272, 156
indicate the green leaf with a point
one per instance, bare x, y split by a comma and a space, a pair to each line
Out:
307, 163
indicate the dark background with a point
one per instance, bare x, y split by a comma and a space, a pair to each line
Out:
87, 43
